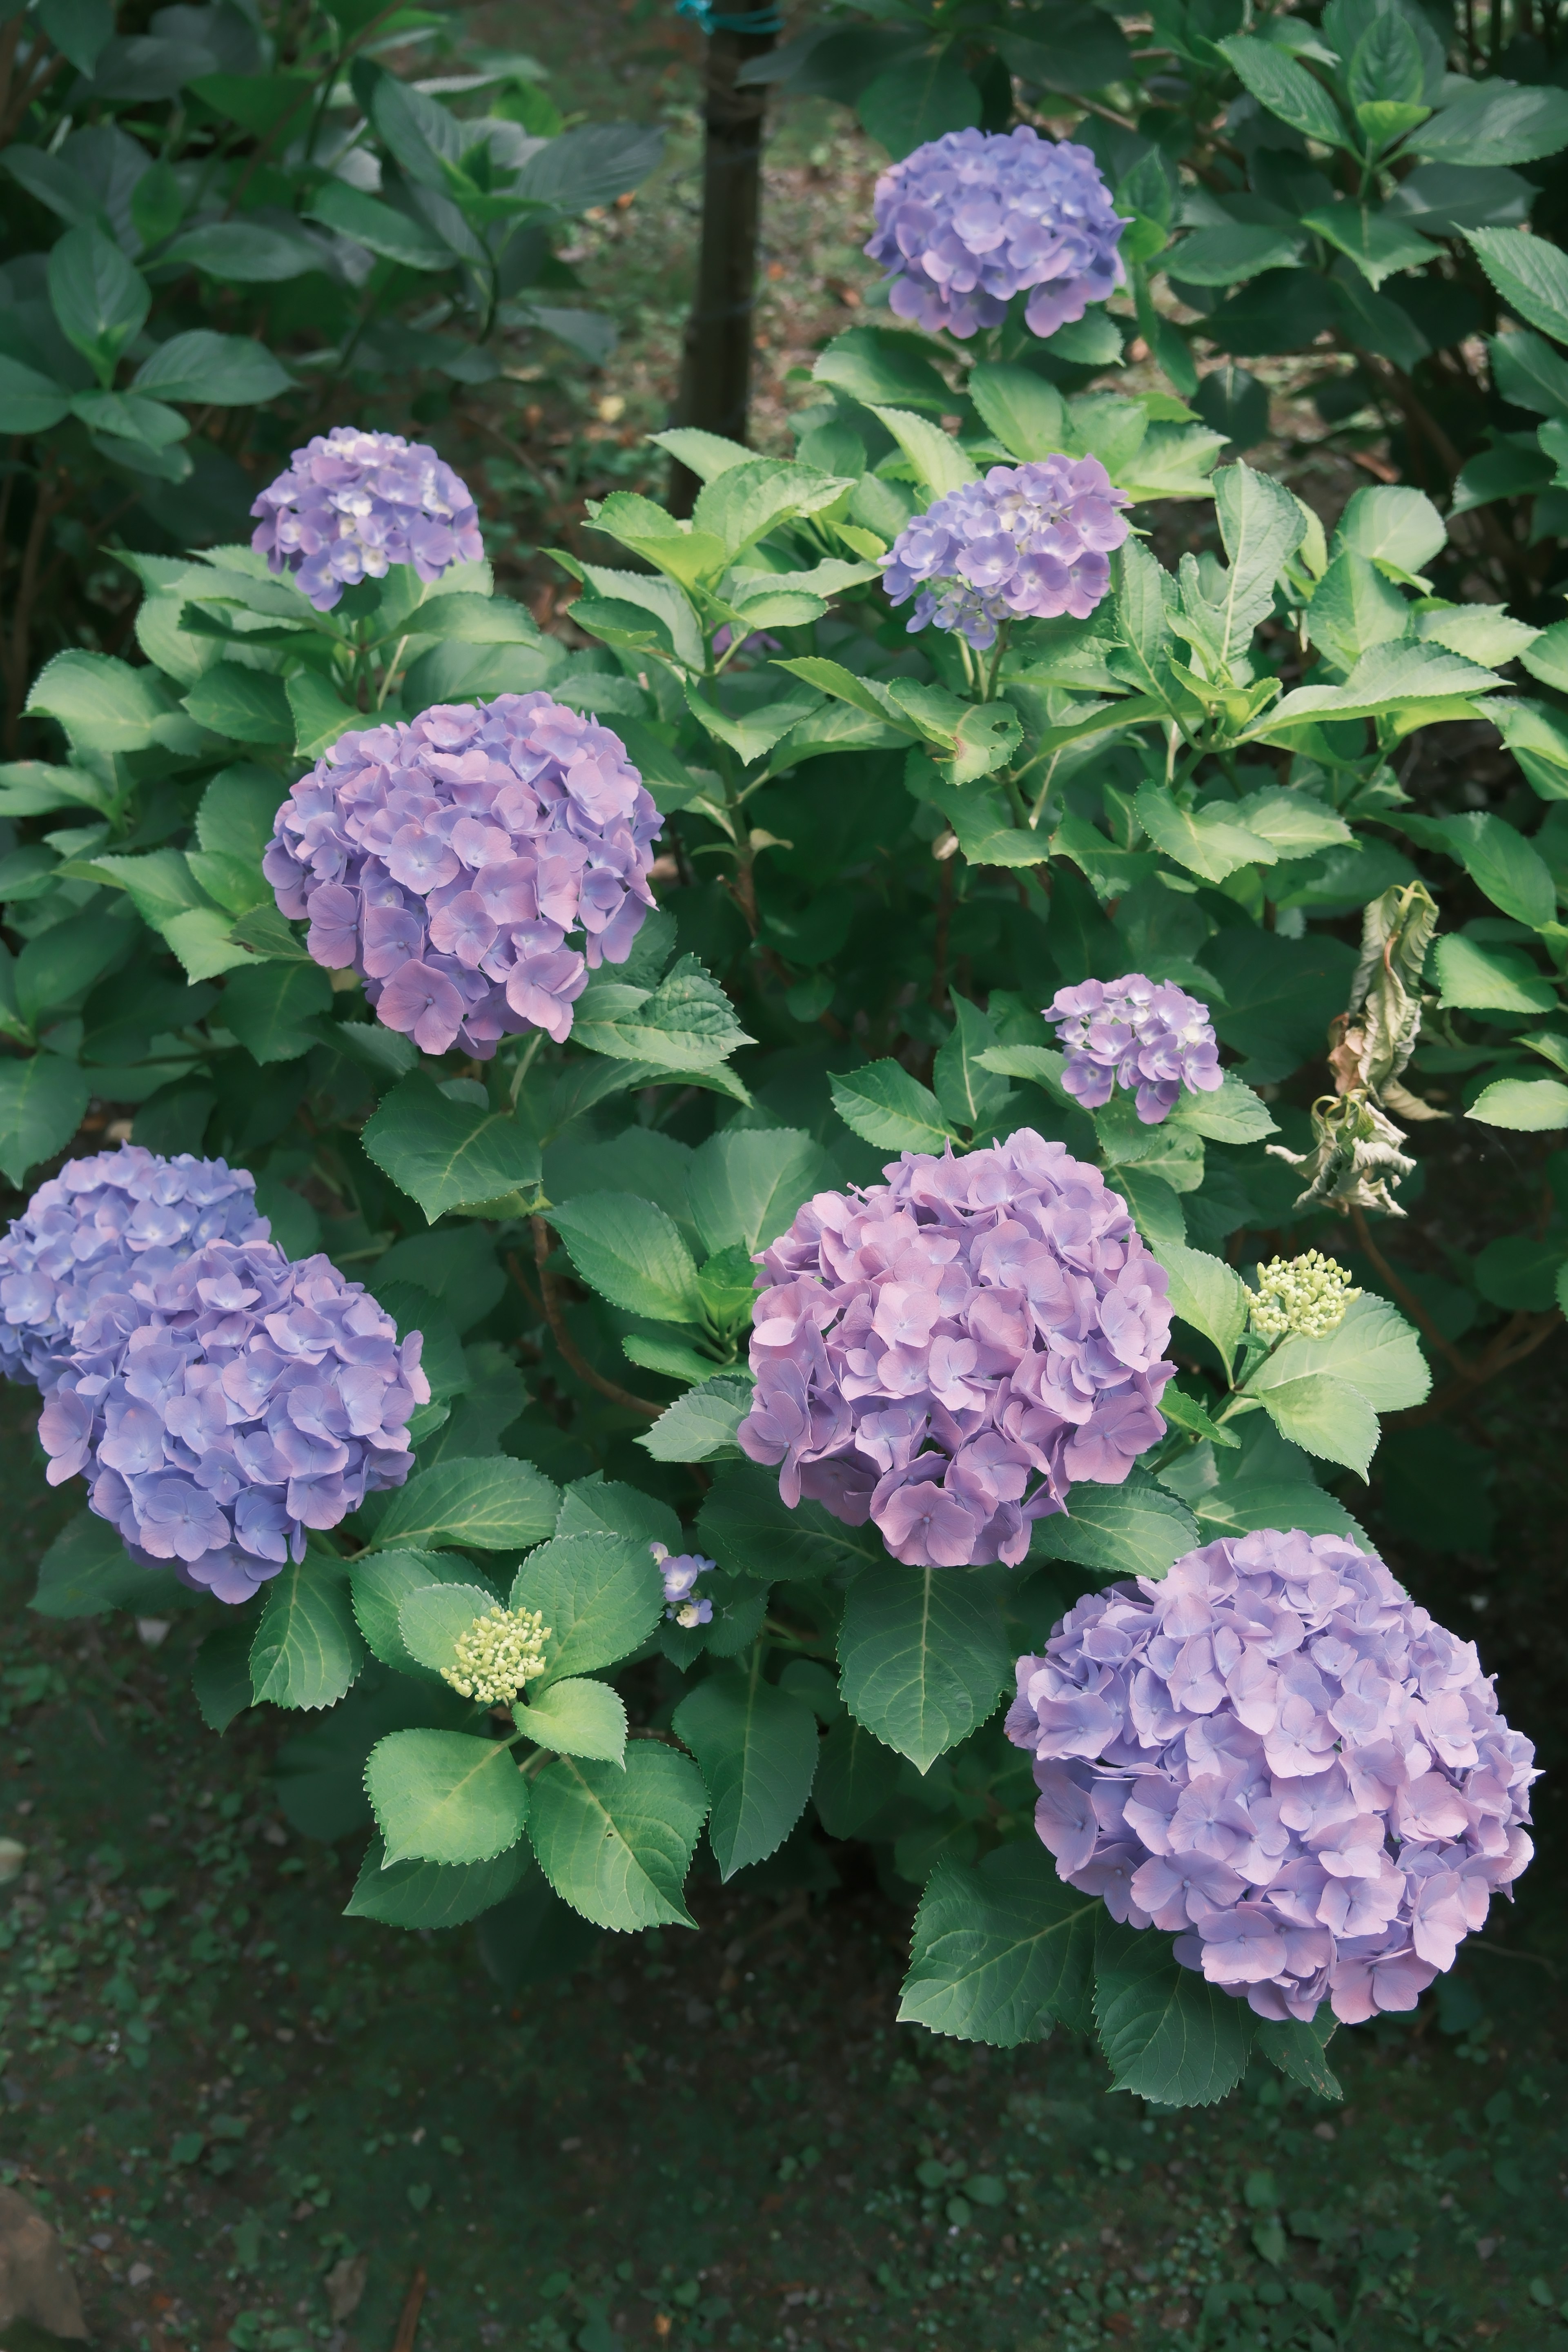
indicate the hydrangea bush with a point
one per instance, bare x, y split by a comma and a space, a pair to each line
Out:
811, 1087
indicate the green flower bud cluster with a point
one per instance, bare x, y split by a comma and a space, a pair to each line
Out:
1307, 1296
500, 1652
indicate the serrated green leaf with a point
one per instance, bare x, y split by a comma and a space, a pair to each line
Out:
923, 1656
576, 1717
757, 1747
1137, 1529
616, 1845
43, 1101
1526, 1106
498, 1505
1233, 1113
1375, 1349
600, 1594
429, 1895
701, 1426
1301, 2051
1000, 1951
306, 1652
379, 1583
632, 1253
889, 1108
1326, 1416
432, 1617
449, 1155
446, 1797
1168, 2035
1209, 1295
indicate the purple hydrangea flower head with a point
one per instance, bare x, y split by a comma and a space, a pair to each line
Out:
1144, 1035
681, 1571
229, 1403
115, 1221
352, 504
945, 1354
1276, 1754
976, 216
445, 859
1028, 542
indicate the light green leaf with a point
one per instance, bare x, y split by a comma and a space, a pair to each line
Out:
1287, 89
600, 1594
1355, 608
1487, 634
1027, 415
1397, 528
432, 1618
889, 1108
442, 1795
937, 458
923, 1656
1295, 824
1527, 1106
1205, 841
1041, 1064
701, 1426
616, 1844
632, 1253
1375, 1349
1209, 1295
1478, 978
1232, 1115
1137, 1529
1000, 1952
1326, 1416
576, 1718
1168, 2035
450, 1155
1261, 525
306, 1652
1500, 862
687, 1024
491, 1505
1494, 122
757, 1747
428, 1895
745, 1185
103, 705
743, 503
380, 1582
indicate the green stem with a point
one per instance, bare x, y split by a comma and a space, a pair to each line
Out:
391, 670
524, 1063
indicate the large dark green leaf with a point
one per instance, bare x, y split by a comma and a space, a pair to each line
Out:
757, 1747
1001, 1951
450, 1154
1168, 2035
923, 1656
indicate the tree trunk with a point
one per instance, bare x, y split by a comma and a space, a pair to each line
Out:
716, 367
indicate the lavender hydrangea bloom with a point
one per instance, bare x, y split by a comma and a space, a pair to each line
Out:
352, 504
1278, 1754
1028, 542
228, 1403
116, 1220
1146, 1034
681, 1571
446, 858
944, 1354
973, 218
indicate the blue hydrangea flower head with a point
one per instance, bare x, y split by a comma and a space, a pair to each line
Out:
1029, 542
976, 216
352, 504
116, 1220
1147, 1035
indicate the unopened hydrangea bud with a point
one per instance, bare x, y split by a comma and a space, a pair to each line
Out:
681, 1571
946, 1354
447, 859
1305, 1295
976, 216
1028, 542
352, 504
1147, 1035
500, 1652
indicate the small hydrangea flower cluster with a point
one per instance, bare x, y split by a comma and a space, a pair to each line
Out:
681, 1571
1028, 542
112, 1222
352, 504
500, 1652
944, 1354
446, 858
1307, 1296
230, 1402
1143, 1034
974, 218
1276, 1754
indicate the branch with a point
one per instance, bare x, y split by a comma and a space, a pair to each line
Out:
572, 1354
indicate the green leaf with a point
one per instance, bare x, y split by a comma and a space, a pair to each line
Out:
600, 1594
1233, 1113
217, 371
1209, 1295
493, 1506
616, 1845
1227, 256
450, 1155
428, 1895
1262, 525
264, 1006
442, 1795
1205, 841
220, 1676
1501, 863
757, 1747
881, 364
1496, 122
29, 402
380, 1582
432, 1619
103, 705
100, 298
686, 1024
966, 1089
1398, 529
245, 705
918, 100
889, 1108
1238, 1508
1482, 978
1326, 1416
1168, 2035
701, 1424
923, 1656
1001, 1951
745, 1185
1130, 1531
743, 503
1184, 1411
856, 1777
1529, 374
244, 252
1026, 414
319, 716
632, 1253
395, 236
751, 1531
576, 1718
306, 1652
43, 1101
937, 458
1287, 89
1527, 1106
1375, 1349
87, 1571
1530, 273
1379, 243
1298, 2049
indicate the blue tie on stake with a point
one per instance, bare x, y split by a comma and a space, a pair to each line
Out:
760, 21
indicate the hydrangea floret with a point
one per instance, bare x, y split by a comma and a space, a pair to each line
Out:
681, 1571
1147, 1035
113, 1220
1028, 542
1306, 1295
974, 218
352, 504
499, 1653
946, 1353
448, 858
1276, 1754
229, 1403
